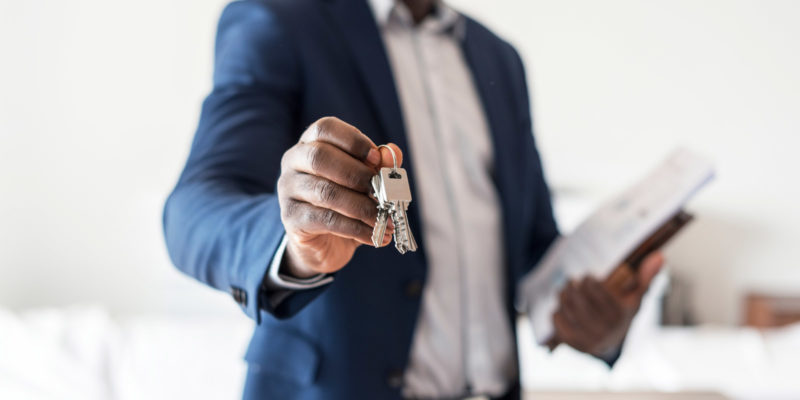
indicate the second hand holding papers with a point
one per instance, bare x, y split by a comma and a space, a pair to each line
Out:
602, 241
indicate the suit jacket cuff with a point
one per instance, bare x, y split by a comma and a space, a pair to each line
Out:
278, 287
278, 280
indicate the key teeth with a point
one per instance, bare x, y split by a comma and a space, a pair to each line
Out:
412, 244
380, 227
404, 240
401, 247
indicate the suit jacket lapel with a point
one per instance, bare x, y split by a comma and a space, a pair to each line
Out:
357, 24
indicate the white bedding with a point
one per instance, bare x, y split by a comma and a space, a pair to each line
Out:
740, 363
82, 353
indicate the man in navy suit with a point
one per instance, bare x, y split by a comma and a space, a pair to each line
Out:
274, 206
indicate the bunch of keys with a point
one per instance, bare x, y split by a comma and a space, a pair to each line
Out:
391, 189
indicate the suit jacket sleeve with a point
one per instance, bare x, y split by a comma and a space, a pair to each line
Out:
222, 221
541, 225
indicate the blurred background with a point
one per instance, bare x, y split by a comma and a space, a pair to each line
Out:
99, 101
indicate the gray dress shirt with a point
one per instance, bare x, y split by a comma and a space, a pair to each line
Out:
463, 342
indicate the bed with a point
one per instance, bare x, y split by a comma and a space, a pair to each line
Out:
84, 353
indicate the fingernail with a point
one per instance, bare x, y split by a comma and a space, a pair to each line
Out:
374, 157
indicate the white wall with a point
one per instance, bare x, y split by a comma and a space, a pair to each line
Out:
99, 100
98, 104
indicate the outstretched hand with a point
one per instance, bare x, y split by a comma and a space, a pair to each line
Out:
324, 194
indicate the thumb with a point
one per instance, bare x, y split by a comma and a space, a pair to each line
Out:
386, 156
648, 270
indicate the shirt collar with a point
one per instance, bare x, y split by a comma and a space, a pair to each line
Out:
443, 19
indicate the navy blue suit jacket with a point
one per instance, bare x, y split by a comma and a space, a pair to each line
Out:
279, 66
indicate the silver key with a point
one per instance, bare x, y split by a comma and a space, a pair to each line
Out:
380, 227
393, 192
396, 193
403, 238
383, 213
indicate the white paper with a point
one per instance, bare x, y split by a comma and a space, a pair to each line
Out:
602, 241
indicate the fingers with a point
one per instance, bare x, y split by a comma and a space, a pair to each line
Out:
330, 162
565, 303
648, 270
604, 302
591, 316
575, 308
324, 193
567, 332
344, 136
622, 280
325, 181
386, 156
337, 151
589, 306
311, 219
570, 332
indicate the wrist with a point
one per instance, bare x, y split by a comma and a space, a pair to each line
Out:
291, 266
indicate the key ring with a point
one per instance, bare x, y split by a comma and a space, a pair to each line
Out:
394, 157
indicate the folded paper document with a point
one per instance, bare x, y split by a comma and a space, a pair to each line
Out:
638, 220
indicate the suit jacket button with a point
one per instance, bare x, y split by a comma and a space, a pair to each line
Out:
414, 288
395, 379
239, 296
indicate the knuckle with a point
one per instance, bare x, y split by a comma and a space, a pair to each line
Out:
358, 180
298, 210
284, 185
325, 127
285, 160
328, 218
327, 121
288, 209
305, 218
284, 211
317, 157
308, 184
281, 185
325, 191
